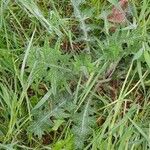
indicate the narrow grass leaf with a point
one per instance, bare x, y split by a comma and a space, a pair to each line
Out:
43, 100
26, 56
139, 68
147, 58
140, 130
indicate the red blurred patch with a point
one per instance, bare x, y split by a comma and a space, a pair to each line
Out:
117, 15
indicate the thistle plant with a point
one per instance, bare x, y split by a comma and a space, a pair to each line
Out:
81, 18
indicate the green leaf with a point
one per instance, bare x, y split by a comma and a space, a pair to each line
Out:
147, 58
140, 130
57, 124
43, 100
42, 122
83, 63
139, 68
138, 54
66, 144
83, 125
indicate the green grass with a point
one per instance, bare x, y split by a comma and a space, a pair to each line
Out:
67, 82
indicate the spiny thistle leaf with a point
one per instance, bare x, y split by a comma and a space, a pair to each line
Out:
42, 122
51, 65
83, 123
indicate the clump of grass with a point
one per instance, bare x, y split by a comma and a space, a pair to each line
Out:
55, 100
